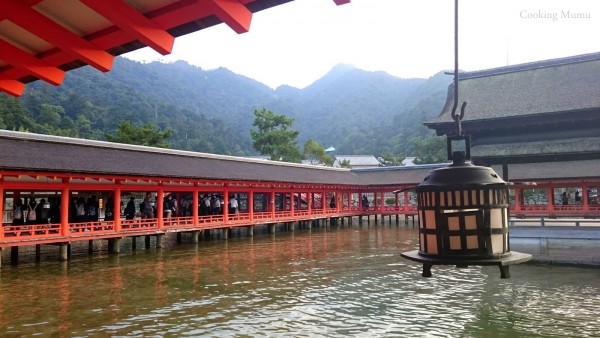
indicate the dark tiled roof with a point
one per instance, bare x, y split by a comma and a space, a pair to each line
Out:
551, 86
552, 170
60, 154
33, 152
561, 148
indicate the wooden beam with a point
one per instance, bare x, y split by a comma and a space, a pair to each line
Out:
134, 23
12, 87
50, 31
231, 12
29, 63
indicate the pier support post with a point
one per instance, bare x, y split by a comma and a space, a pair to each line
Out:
195, 237
14, 255
159, 241
115, 245
1, 257
63, 252
271, 228
147, 242
133, 243
178, 236
38, 252
250, 231
376, 220
225, 232
91, 246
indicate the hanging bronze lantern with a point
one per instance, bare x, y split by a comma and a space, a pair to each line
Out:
463, 218
463, 208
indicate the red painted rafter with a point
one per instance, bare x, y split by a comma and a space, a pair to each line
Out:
50, 31
133, 22
29, 63
232, 12
166, 18
12, 87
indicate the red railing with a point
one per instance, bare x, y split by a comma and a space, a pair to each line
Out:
29, 234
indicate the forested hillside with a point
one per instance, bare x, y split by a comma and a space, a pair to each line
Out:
355, 111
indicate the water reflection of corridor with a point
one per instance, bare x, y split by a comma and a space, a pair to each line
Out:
335, 282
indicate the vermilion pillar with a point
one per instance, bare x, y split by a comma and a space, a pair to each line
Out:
251, 205
195, 205
585, 196
117, 209
64, 211
160, 207
517, 199
1, 212
225, 206
272, 204
550, 197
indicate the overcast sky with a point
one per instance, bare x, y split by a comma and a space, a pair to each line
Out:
298, 42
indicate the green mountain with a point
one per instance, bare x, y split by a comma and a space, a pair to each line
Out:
356, 111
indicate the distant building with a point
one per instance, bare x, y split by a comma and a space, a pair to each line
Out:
542, 111
357, 161
408, 161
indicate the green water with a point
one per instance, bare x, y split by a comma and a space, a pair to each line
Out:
321, 283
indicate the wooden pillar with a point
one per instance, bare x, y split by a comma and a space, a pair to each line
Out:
63, 252
14, 255
64, 209
195, 207
147, 242
292, 203
272, 204
2, 212
115, 245
360, 202
226, 206
585, 196
550, 197
178, 238
251, 205
518, 199
271, 228
225, 232
117, 209
309, 202
159, 240
250, 231
160, 209
195, 236
133, 243
90, 246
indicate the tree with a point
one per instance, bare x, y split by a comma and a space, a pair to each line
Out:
145, 135
345, 164
431, 149
274, 137
389, 159
315, 153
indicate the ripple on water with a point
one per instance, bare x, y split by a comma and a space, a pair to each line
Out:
334, 283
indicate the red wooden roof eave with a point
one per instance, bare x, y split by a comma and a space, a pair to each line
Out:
155, 29
184, 181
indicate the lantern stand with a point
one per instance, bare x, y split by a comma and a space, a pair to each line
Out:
463, 208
